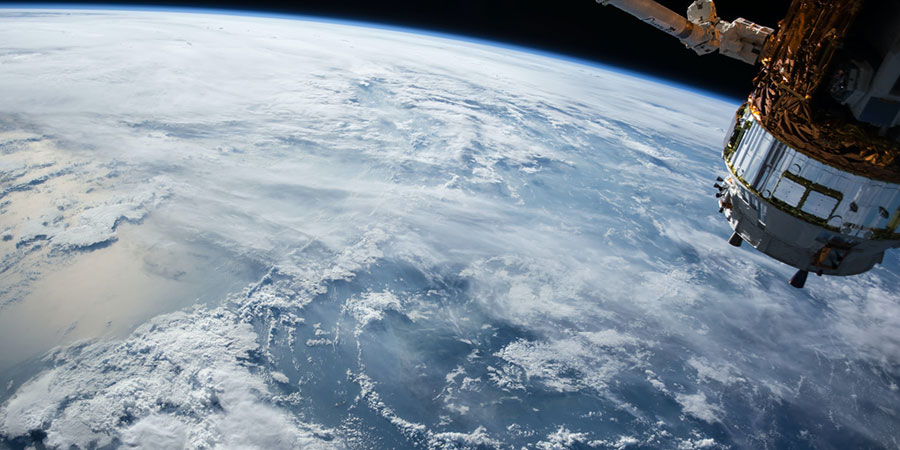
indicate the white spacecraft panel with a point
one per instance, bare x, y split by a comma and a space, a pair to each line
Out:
789, 192
819, 204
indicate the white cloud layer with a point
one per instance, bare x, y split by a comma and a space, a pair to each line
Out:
449, 245
183, 380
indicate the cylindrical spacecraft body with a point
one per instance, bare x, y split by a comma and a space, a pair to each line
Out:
814, 153
802, 211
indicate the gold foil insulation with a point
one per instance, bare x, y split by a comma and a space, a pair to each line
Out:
795, 63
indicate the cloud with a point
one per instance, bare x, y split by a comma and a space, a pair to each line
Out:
182, 380
563, 438
370, 307
698, 406
585, 361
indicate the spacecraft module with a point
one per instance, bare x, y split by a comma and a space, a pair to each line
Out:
813, 155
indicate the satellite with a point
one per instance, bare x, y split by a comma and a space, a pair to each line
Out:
813, 155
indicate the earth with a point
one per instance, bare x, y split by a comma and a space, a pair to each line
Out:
225, 231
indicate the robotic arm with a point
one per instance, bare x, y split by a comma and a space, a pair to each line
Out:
702, 30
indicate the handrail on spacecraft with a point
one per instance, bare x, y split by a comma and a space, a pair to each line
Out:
702, 31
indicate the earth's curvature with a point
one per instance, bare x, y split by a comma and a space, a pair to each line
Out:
250, 232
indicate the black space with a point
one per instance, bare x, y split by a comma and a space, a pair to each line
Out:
579, 28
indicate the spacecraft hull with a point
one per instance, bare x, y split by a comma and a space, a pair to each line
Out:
802, 211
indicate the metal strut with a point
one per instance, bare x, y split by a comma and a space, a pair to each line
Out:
702, 31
